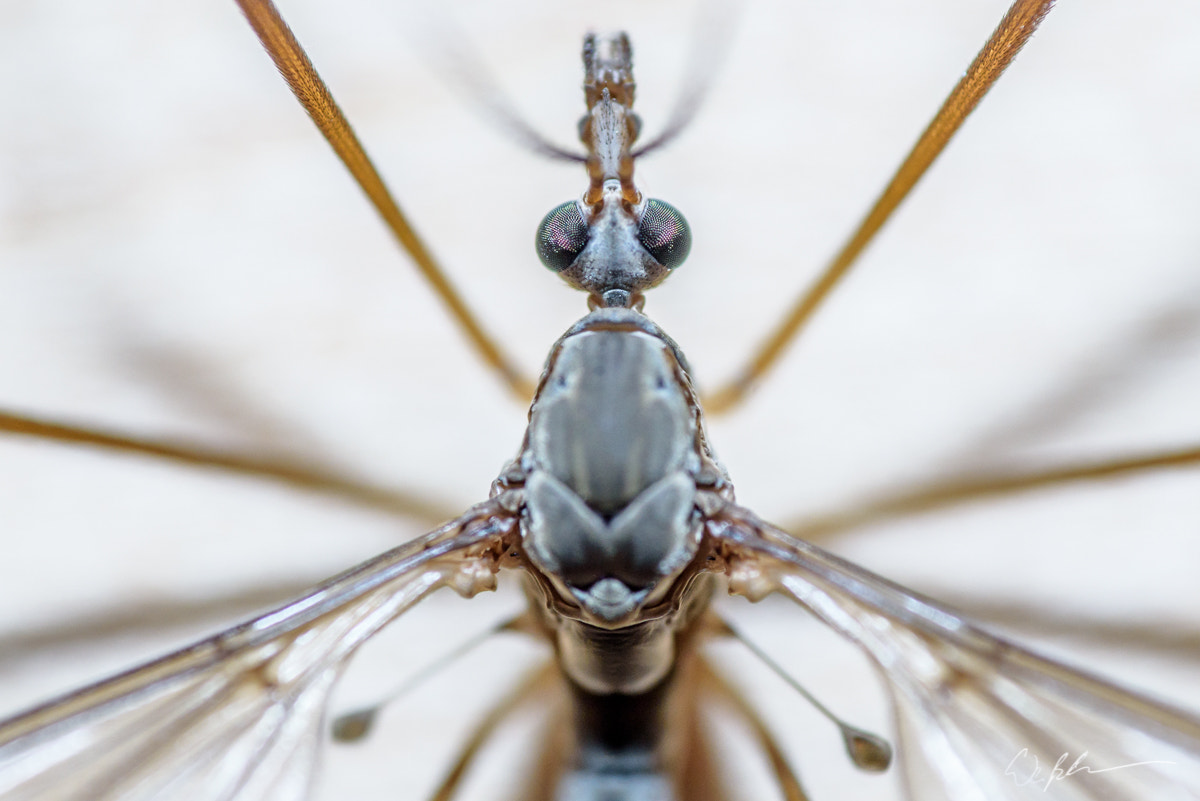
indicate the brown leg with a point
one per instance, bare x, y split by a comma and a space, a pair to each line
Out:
293, 63
296, 474
937, 496
1010, 36
714, 683
538, 683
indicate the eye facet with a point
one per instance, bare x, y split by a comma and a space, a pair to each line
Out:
665, 233
561, 236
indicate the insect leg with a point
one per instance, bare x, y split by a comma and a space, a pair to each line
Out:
293, 473
314, 95
1010, 36
959, 490
534, 685
716, 684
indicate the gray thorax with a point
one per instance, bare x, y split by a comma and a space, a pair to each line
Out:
613, 476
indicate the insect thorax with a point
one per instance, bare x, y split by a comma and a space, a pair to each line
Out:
612, 478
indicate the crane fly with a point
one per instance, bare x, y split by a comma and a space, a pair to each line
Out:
134, 333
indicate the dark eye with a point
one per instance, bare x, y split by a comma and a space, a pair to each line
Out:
665, 234
561, 236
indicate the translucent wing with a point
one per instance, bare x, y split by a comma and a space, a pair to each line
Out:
239, 715
978, 718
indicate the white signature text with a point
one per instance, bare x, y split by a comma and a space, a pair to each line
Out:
1026, 769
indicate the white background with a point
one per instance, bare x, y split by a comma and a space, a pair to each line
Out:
183, 258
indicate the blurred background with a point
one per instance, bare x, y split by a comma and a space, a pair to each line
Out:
183, 258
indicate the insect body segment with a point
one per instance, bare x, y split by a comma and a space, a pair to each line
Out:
612, 484
611, 467
613, 244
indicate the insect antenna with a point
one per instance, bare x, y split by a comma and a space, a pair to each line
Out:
450, 53
710, 42
716, 24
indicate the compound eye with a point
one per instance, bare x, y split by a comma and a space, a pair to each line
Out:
665, 233
561, 236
